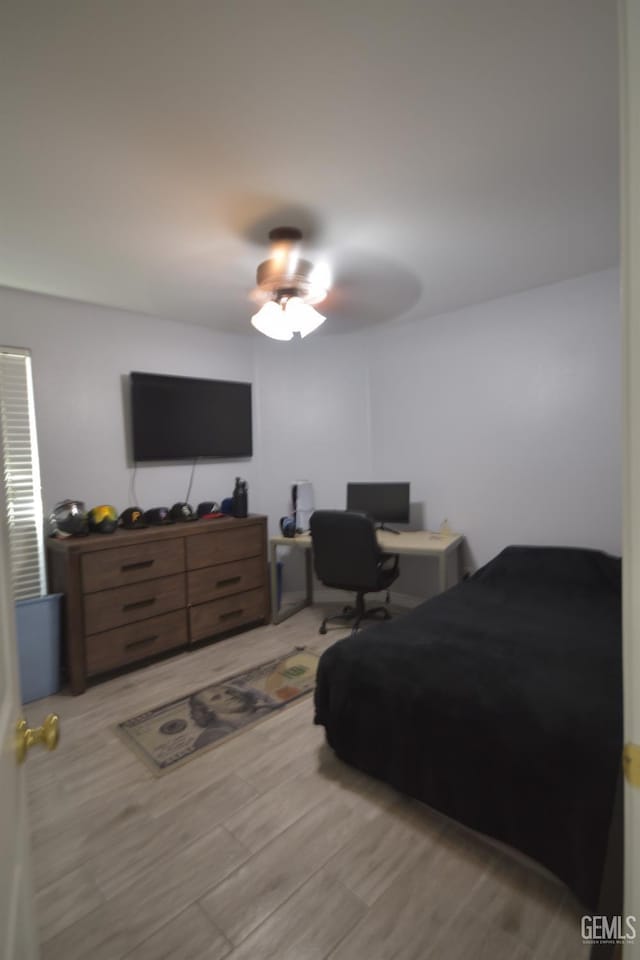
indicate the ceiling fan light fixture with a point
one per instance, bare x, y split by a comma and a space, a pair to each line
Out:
287, 286
270, 321
302, 317
271, 278
279, 320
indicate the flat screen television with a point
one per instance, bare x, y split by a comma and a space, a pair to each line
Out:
184, 418
384, 502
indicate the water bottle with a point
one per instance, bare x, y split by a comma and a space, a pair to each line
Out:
240, 498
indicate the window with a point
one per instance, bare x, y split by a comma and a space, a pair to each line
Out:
21, 474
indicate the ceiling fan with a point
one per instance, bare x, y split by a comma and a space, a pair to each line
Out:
358, 287
288, 287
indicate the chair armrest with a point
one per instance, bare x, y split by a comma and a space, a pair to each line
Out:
388, 561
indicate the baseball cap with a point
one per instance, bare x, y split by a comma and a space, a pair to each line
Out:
207, 507
182, 512
157, 516
132, 518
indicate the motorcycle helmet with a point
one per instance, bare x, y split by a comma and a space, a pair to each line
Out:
69, 519
103, 519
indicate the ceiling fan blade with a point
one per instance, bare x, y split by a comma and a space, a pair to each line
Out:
368, 290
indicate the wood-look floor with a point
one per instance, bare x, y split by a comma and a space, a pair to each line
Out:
264, 847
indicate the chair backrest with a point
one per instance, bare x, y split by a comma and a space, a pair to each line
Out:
346, 553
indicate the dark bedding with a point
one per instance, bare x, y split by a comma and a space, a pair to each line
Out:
498, 703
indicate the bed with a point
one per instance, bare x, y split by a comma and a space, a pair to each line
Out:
498, 703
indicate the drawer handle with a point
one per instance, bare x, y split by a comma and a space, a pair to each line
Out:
138, 604
140, 565
231, 614
228, 581
141, 642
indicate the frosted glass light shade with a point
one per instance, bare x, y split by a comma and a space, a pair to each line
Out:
304, 319
270, 320
281, 321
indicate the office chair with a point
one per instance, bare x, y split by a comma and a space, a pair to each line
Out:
346, 555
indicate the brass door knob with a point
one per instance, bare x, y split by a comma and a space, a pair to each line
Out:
48, 735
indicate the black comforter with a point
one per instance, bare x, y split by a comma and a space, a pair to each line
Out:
498, 702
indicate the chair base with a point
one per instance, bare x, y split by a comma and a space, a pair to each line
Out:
357, 614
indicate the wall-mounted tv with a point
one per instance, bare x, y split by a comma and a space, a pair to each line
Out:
183, 418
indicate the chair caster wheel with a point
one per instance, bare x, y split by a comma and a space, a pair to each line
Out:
323, 629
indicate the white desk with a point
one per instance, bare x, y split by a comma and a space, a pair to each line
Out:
416, 543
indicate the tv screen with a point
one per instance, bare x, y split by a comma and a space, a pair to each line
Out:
385, 502
182, 418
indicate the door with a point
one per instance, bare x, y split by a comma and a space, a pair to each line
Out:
18, 939
630, 116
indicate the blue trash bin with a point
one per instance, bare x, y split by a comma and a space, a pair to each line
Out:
38, 635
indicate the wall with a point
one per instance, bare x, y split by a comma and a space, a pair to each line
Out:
313, 419
506, 418
313, 424
81, 356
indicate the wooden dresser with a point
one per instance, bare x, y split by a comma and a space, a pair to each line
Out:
133, 594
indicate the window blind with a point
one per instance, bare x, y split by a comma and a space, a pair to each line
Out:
21, 474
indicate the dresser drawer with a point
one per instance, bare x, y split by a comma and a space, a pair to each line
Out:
210, 583
225, 545
116, 648
122, 605
130, 564
207, 619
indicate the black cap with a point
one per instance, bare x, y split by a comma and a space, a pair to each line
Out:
157, 516
182, 512
208, 506
132, 518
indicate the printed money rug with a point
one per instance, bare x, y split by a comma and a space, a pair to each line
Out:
173, 733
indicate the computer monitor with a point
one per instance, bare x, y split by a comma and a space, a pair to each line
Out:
385, 502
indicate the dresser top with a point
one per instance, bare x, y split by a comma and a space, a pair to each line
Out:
169, 531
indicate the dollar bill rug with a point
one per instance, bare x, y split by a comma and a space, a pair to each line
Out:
169, 735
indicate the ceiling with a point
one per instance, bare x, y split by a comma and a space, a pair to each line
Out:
436, 153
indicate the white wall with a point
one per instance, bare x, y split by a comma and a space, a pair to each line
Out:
313, 423
506, 417
313, 419
81, 356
